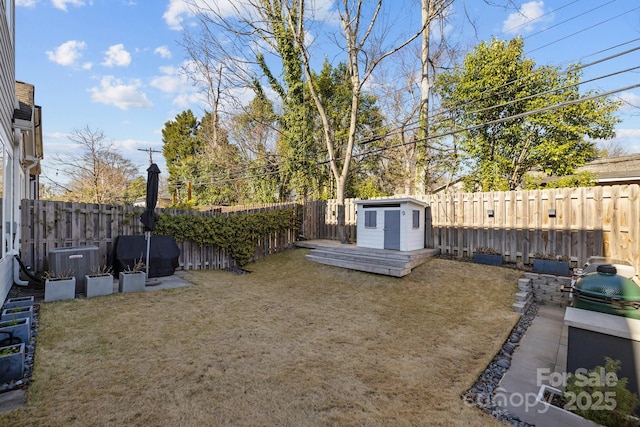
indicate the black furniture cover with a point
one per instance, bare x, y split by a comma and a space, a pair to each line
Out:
163, 254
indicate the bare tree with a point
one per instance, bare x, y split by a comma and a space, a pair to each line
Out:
365, 38
95, 172
366, 45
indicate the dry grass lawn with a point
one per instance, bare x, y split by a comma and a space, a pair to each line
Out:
294, 343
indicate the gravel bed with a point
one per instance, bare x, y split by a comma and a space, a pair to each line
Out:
482, 393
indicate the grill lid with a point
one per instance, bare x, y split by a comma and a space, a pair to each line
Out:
607, 285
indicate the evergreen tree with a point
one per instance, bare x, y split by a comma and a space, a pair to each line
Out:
496, 82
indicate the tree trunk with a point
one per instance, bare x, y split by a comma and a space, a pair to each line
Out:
342, 235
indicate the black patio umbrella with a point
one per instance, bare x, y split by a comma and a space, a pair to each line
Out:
149, 216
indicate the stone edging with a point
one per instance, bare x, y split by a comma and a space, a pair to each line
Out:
482, 393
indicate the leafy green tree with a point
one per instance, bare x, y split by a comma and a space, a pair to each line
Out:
136, 188
180, 142
334, 89
579, 179
219, 172
497, 82
296, 145
254, 133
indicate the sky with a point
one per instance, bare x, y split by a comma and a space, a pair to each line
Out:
115, 65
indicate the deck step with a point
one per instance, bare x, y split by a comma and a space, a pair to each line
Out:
365, 258
379, 261
395, 271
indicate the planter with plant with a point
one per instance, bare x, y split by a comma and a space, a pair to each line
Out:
15, 331
598, 395
99, 281
17, 313
550, 264
19, 302
133, 278
486, 255
11, 362
59, 286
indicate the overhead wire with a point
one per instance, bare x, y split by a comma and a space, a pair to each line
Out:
451, 132
409, 128
523, 81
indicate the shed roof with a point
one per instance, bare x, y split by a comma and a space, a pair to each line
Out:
387, 201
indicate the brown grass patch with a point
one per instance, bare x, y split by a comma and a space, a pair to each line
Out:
294, 343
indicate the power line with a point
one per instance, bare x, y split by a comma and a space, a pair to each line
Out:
583, 30
452, 132
510, 30
567, 20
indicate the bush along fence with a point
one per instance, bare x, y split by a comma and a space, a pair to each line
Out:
207, 240
575, 223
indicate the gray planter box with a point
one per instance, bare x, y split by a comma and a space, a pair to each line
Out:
58, 290
546, 266
488, 259
132, 281
17, 313
19, 329
19, 302
12, 365
99, 285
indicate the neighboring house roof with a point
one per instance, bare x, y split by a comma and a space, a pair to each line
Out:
453, 186
164, 201
28, 118
620, 169
617, 170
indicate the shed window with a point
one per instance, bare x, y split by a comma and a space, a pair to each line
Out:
416, 218
370, 219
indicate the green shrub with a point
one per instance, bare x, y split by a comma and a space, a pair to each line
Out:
236, 234
609, 402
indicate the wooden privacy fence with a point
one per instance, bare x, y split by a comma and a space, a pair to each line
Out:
573, 222
320, 219
50, 224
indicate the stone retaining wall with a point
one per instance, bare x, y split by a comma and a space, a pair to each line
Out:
542, 288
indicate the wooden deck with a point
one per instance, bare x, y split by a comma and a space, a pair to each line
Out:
378, 261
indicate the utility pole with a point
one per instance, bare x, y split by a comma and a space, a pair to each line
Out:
150, 151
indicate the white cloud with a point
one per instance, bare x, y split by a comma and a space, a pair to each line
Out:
113, 91
87, 65
163, 51
630, 100
627, 138
67, 53
62, 4
174, 82
175, 14
522, 21
117, 56
627, 133
171, 81
26, 3
179, 10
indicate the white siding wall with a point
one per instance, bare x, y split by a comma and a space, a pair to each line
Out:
370, 237
6, 277
410, 238
7, 103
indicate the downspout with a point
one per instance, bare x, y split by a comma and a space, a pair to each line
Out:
14, 252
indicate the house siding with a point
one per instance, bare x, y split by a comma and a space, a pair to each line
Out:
7, 104
7, 73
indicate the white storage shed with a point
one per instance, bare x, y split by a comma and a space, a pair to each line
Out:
396, 224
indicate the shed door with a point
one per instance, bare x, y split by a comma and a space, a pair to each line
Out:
392, 230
